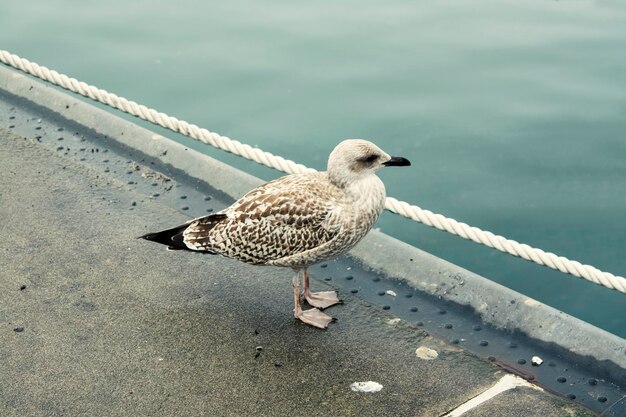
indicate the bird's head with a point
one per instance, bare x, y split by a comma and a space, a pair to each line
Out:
356, 158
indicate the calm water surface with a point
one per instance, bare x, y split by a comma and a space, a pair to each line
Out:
513, 113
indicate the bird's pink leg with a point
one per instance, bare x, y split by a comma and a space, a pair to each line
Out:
322, 299
314, 317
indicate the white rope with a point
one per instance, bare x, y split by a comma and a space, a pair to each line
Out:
400, 207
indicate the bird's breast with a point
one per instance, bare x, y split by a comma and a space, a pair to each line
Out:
364, 201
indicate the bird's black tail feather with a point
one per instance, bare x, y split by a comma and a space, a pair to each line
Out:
172, 238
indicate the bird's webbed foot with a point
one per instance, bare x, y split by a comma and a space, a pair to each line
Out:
322, 299
314, 317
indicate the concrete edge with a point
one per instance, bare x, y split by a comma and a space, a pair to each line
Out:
196, 164
497, 305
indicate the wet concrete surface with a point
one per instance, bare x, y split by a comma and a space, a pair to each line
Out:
96, 322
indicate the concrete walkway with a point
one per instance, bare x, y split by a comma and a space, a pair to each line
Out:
97, 323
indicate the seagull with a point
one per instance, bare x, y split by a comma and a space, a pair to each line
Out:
296, 221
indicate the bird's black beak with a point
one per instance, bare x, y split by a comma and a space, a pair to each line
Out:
397, 161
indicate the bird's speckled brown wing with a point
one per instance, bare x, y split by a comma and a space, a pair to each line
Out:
284, 217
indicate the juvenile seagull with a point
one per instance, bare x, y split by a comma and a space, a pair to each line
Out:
297, 220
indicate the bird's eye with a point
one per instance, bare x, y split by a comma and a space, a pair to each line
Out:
369, 159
